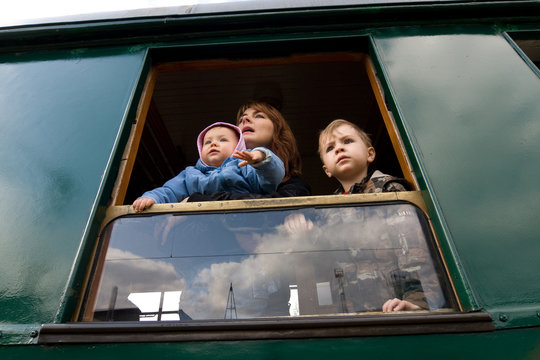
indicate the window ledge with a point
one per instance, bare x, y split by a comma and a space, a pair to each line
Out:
406, 323
414, 197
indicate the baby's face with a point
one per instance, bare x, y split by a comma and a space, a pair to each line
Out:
218, 144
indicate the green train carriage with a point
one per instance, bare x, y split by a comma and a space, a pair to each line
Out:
98, 109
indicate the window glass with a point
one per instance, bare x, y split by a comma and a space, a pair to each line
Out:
240, 265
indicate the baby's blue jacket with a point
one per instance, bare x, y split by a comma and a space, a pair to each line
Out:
261, 178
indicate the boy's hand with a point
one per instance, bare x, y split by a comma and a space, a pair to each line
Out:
296, 224
250, 158
142, 203
399, 305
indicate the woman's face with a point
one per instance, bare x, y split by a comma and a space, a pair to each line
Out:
257, 128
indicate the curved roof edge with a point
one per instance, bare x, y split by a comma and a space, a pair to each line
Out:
15, 16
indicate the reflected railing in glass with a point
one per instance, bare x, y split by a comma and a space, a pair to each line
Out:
273, 263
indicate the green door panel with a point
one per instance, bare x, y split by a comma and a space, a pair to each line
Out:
502, 344
60, 118
471, 108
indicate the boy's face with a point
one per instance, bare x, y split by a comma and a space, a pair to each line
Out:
218, 144
345, 155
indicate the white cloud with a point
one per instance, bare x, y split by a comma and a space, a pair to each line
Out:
19, 12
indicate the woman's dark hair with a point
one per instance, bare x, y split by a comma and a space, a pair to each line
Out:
283, 141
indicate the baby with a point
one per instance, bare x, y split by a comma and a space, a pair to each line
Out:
224, 165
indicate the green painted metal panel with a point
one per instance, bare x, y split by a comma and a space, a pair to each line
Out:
61, 114
470, 106
503, 344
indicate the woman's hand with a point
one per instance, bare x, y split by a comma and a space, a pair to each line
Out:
398, 305
250, 158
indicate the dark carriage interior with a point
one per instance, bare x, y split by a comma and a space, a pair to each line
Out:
530, 45
309, 94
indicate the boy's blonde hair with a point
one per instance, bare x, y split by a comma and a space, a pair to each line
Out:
334, 125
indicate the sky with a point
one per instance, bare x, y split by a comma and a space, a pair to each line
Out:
22, 12
18, 12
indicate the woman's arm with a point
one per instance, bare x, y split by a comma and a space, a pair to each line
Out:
265, 171
295, 186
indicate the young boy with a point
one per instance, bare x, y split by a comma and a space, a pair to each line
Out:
346, 153
221, 167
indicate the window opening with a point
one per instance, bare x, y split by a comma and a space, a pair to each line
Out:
310, 90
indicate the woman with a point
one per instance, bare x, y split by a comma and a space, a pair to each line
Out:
263, 125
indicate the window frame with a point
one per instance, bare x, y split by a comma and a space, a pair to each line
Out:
432, 322
527, 45
85, 310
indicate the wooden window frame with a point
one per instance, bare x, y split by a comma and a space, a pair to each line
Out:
117, 208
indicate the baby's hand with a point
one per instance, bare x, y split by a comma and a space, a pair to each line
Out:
250, 158
142, 203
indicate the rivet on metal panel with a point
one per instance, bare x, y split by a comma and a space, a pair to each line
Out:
503, 317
